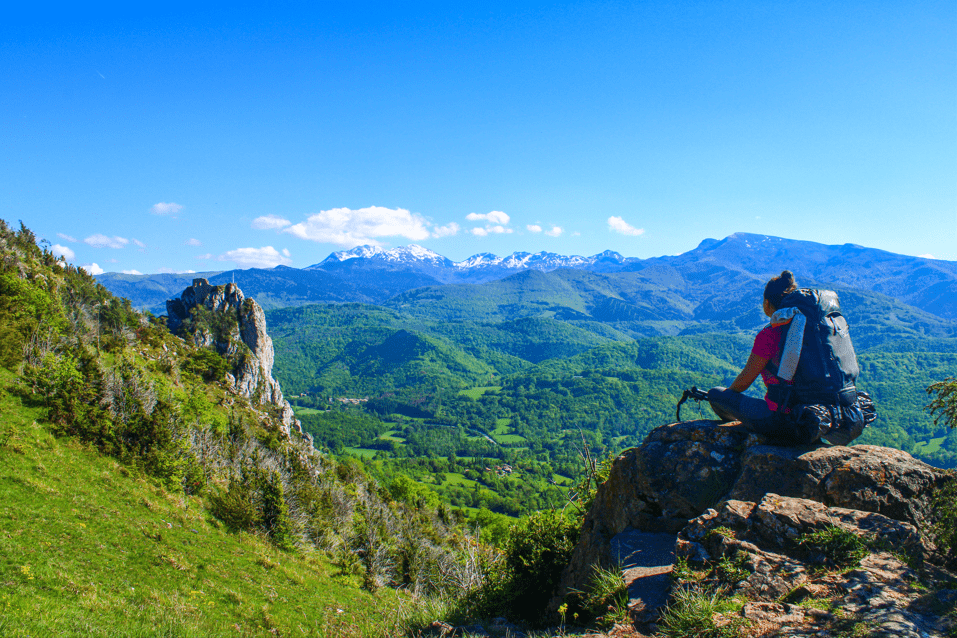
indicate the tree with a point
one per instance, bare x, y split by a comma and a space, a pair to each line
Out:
945, 402
945, 501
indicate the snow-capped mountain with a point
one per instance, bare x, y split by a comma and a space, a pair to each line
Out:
480, 266
405, 255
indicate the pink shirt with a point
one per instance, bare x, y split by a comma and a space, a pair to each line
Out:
767, 345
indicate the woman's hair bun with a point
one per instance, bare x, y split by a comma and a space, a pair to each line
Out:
780, 287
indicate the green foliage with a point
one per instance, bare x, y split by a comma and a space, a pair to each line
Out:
945, 402
340, 428
536, 551
255, 500
207, 364
837, 546
945, 514
731, 571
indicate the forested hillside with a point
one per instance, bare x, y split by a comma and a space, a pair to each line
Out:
542, 377
145, 494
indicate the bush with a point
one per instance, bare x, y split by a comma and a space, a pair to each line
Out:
535, 553
256, 501
207, 364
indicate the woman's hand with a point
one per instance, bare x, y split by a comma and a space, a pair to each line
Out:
751, 371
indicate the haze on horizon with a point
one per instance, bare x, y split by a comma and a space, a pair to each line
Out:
177, 138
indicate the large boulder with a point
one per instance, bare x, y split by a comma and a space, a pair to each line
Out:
683, 470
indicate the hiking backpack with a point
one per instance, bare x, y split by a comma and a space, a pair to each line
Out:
818, 368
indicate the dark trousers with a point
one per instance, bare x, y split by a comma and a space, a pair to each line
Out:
753, 413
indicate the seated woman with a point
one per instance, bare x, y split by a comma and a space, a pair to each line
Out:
759, 415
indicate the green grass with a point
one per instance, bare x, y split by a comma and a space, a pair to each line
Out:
300, 411
361, 451
455, 478
475, 393
89, 548
503, 432
929, 447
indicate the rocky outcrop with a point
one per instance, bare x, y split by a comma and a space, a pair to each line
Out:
235, 326
690, 478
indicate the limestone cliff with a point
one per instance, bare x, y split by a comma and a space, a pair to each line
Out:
235, 325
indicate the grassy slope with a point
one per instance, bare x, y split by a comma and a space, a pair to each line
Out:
87, 548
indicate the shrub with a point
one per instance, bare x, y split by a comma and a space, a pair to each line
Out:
207, 364
535, 553
256, 501
236, 507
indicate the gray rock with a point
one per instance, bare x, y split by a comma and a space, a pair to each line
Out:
252, 375
682, 470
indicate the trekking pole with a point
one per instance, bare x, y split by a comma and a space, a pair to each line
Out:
692, 393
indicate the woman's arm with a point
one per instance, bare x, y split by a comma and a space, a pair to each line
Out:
752, 369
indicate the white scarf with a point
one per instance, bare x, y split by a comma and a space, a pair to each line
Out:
791, 352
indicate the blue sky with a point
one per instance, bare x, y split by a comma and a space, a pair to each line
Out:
178, 138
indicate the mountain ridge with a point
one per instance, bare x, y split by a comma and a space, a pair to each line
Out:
738, 263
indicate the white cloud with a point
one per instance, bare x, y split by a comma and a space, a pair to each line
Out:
494, 217
93, 269
192, 242
497, 222
166, 208
269, 222
620, 226
131, 272
265, 257
348, 227
66, 237
102, 241
445, 231
171, 271
206, 256
534, 228
555, 231
62, 252
137, 242
285, 251
925, 256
